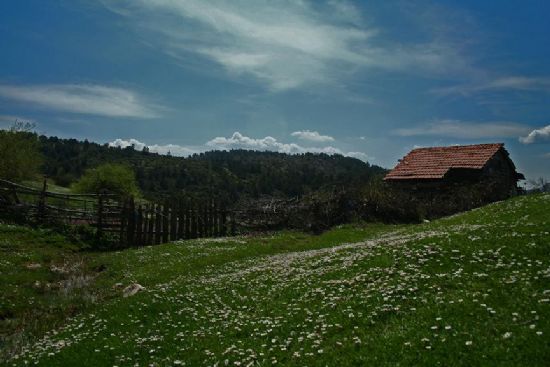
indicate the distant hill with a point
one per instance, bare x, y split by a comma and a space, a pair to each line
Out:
225, 174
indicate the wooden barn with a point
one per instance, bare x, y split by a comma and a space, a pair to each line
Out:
479, 173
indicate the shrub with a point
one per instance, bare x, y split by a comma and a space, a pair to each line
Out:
111, 178
19, 151
381, 202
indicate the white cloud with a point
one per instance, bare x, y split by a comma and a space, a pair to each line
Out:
312, 136
465, 129
537, 135
236, 141
359, 155
174, 149
82, 98
284, 44
239, 141
518, 83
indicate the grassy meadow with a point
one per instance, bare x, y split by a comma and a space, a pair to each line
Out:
471, 289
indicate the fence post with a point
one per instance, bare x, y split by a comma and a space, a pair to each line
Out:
165, 224
145, 231
205, 217
99, 224
200, 218
131, 230
41, 209
223, 225
181, 220
151, 222
213, 218
174, 222
188, 216
139, 226
194, 219
123, 217
215, 221
158, 224
209, 219
232, 224
150, 225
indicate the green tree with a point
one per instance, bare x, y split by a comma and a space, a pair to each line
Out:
19, 151
112, 178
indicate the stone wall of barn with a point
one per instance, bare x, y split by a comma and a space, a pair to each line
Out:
501, 172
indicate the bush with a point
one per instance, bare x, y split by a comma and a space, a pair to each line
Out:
111, 178
19, 151
383, 203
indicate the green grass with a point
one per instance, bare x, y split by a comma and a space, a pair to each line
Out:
52, 187
472, 289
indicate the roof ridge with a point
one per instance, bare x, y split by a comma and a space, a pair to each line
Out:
459, 146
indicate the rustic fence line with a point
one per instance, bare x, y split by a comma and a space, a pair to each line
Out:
41, 206
135, 223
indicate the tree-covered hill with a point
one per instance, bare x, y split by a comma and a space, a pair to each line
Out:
227, 174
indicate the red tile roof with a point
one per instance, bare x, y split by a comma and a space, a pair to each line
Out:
434, 163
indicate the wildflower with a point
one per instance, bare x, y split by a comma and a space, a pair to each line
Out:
469, 342
507, 335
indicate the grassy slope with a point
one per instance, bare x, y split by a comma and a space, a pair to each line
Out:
69, 281
467, 290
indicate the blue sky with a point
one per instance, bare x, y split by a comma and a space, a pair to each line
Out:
366, 79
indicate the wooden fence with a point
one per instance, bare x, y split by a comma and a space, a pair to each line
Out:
134, 223
147, 224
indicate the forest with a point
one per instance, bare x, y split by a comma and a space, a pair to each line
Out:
225, 175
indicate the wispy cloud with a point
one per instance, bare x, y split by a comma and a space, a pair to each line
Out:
84, 99
236, 141
465, 129
284, 44
10, 119
537, 136
312, 136
510, 83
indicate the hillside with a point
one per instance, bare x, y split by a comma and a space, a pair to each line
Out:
229, 175
471, 289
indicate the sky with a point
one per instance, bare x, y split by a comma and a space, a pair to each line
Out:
366, 79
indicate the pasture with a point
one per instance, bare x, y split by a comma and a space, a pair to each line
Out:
471, 289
